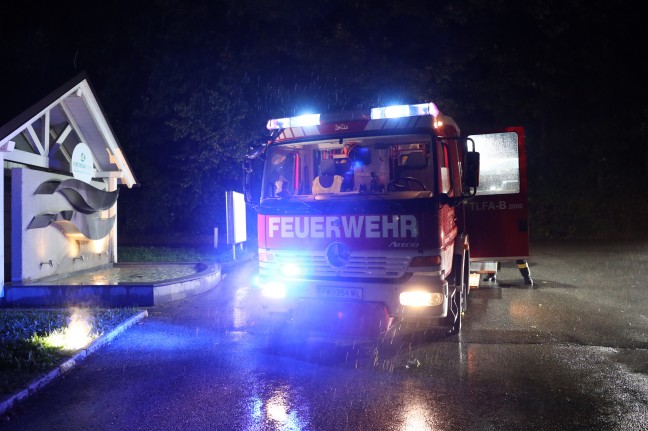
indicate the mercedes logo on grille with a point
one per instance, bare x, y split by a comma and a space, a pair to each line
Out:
337, 254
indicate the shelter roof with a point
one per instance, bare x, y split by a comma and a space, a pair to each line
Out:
45, 134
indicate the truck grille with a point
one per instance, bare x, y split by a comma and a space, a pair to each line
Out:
316, 266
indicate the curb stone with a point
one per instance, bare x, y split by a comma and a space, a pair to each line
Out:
39, 383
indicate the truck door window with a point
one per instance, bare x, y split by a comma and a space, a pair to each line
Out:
499, 171
281, 174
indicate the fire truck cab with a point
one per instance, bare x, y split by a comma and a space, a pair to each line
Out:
364, 218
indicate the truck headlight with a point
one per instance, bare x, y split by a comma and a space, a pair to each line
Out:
421, 299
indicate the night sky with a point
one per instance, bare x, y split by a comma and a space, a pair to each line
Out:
187, 86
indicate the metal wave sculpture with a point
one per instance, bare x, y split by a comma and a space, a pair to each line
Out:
82, 196
75, 224
87, 201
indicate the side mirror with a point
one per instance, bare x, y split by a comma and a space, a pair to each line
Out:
253, 171
471, 172
247, 181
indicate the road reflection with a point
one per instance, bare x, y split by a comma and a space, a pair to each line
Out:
240, 314
278, 404
417, 414
280, 410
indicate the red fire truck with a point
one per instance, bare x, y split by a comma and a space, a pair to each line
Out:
370, 218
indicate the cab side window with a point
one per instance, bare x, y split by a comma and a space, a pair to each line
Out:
444, 168
499, 167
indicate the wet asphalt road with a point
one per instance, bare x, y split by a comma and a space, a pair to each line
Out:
572, 354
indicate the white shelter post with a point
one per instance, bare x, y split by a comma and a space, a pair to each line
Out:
7, 147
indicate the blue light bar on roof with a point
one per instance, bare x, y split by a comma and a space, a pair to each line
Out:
398, 111
395, 111
299, 121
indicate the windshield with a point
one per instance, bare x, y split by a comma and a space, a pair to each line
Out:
398, 166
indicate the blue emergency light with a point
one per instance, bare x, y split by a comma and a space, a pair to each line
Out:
386, 112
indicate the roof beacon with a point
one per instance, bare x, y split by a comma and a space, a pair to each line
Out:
398, 111
299, 121
394, 111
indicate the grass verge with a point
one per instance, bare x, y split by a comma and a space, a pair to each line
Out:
30, 339
34, 341
178, 254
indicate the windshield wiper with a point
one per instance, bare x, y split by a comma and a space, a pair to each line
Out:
283, 203
309, 206
391, 202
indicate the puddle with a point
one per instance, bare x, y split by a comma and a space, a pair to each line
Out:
125, 274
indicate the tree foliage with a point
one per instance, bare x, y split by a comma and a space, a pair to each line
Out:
188, 85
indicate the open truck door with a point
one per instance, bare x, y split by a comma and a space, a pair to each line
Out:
497, 216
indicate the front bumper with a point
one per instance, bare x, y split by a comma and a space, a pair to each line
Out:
363, 302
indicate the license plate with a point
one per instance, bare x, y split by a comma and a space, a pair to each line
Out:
340, 292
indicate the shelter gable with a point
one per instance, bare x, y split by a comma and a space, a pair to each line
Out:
45, 135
